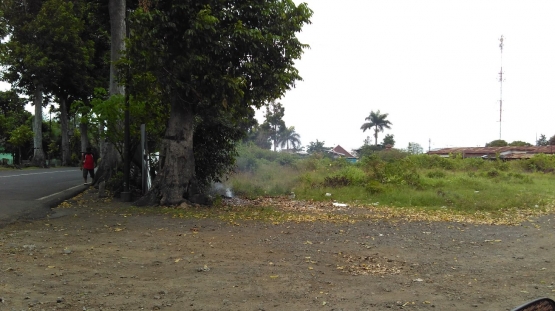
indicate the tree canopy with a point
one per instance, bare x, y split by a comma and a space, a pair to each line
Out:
497, 143
273, 123
212, 62
317, 147
289, 135
542, 141
378, 122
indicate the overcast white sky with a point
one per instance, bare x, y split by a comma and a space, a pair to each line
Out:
431, 65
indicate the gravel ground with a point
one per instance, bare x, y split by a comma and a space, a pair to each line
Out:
95, 254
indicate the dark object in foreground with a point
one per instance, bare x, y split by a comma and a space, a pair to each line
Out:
541, 304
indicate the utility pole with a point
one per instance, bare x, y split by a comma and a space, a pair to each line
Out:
501, 86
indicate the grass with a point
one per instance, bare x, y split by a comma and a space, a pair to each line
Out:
411, 181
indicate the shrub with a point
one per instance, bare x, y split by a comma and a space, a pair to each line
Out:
433, 161
541, 163
374, 187
285, 159
492, 173
392, 155
436, 174
374, 167
246, 163
336, 181
473, 164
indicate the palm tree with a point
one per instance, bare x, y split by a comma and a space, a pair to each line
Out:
288, 135
378, 122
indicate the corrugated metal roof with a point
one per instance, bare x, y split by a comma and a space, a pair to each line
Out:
494, 150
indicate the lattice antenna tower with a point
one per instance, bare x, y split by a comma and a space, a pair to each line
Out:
501, 86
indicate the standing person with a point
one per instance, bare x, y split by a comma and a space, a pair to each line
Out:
88, 165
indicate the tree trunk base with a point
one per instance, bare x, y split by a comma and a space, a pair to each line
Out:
108, 164
156, 197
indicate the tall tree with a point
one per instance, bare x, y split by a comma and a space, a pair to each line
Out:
415, 148
542, 141
48, 52
388, 140
12, 115
378, 122
212, 56
273, 123
24, 60
289, 135
317, 147
20, 136
519, 143
108, 151
497, 143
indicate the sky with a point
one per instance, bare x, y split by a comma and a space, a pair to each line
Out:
432, 66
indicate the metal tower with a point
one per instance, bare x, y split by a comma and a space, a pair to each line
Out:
501, 86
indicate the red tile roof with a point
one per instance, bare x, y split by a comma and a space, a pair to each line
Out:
340, 150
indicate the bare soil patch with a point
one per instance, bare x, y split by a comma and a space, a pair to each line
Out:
96, 255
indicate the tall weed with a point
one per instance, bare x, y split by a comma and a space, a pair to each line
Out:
397, 179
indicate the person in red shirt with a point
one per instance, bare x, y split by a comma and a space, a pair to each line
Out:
88, 165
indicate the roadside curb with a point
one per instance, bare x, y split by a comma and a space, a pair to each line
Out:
50, 204
36, 210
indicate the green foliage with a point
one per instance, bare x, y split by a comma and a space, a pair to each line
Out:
542, 141
388, 140
539, 163
273, 123
108, 111
368, 150
426, 181
12, 116
316, 147
48, 46
519, 143
497, 143
20, 136
436, 174
415, 148
288, 135
214, 61
378, 122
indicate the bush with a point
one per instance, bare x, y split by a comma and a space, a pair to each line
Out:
540, 163
433, 161
336, 181
392, 155
374, 187
436, 174
285, 159
492, 173
246, 163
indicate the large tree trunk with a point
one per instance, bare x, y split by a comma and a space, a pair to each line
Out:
66, 151
84, 129
175, 181
108, 154
38, 155
118, 33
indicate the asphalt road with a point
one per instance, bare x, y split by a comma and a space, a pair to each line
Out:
31, 193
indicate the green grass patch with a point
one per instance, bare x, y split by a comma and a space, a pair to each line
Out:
424, 182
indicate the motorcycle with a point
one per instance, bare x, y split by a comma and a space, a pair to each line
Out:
541, 304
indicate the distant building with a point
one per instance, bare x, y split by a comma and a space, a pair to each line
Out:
504, 153
340, 152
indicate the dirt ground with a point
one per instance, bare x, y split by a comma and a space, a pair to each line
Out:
90, 255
